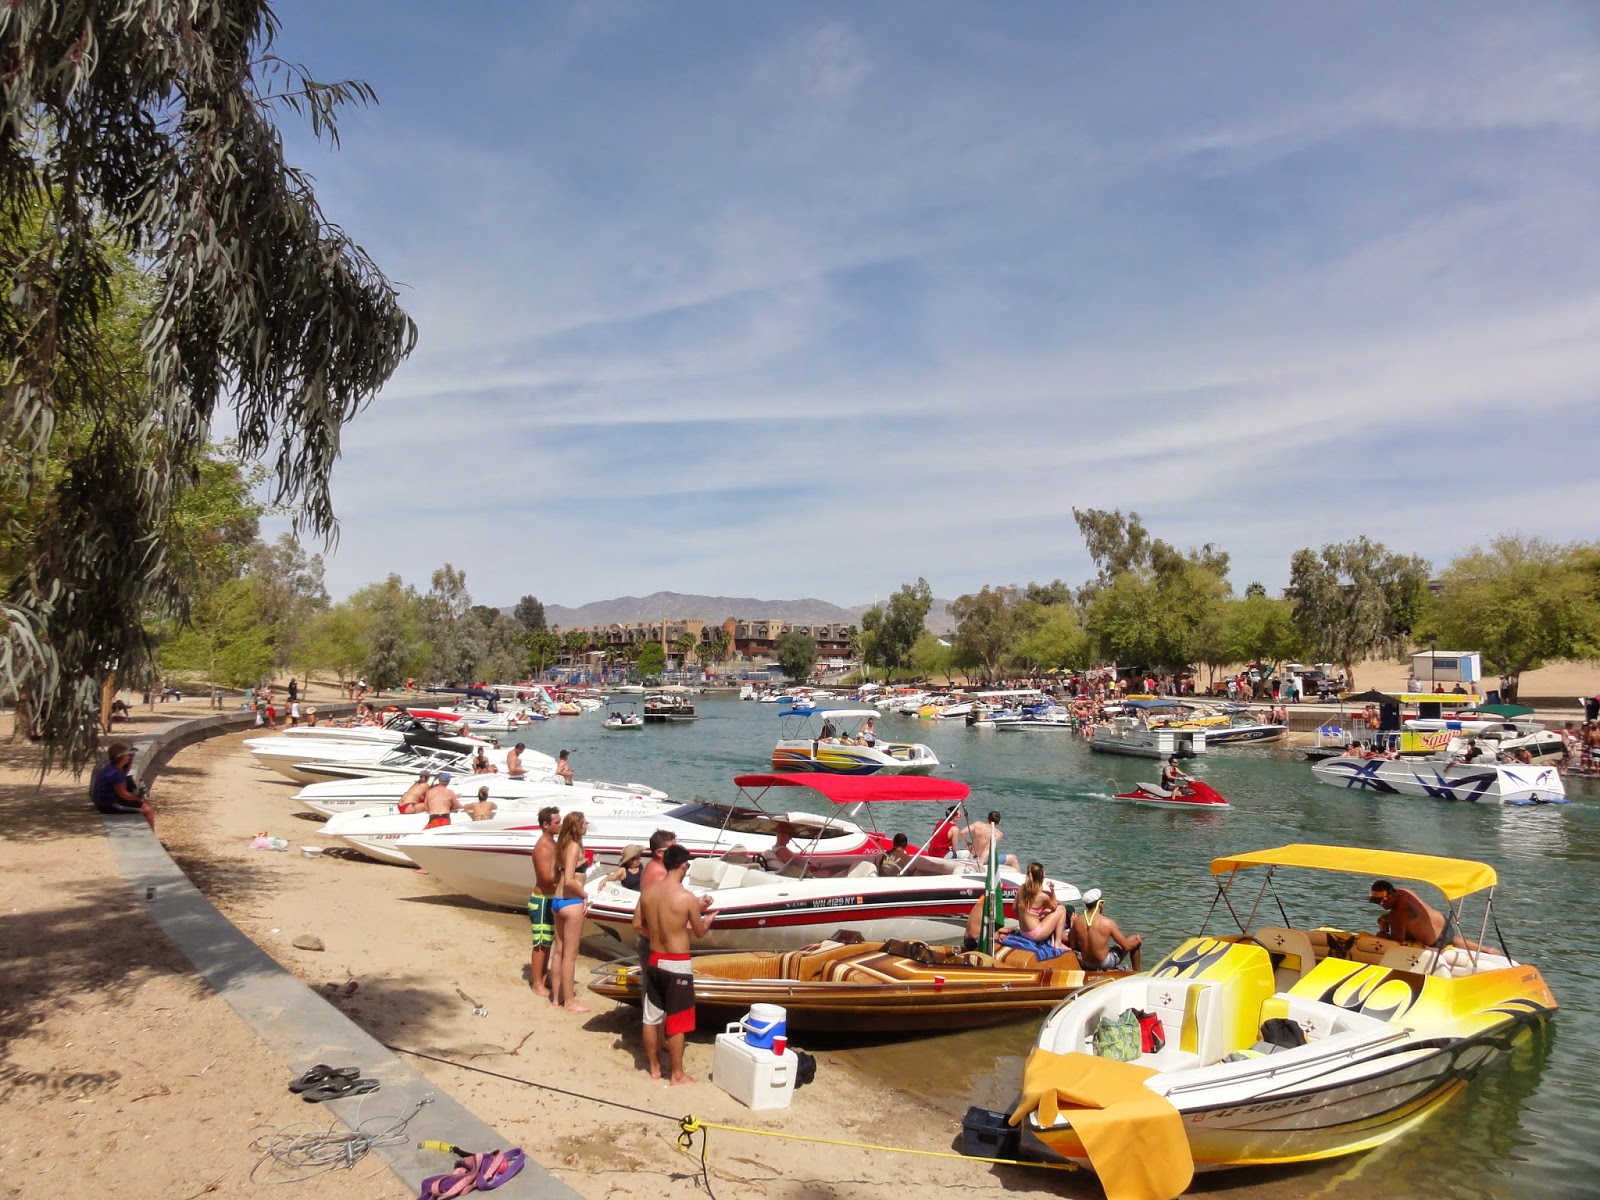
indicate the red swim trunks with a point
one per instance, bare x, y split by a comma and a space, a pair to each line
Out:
669, 993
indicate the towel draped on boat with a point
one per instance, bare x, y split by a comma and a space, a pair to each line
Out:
1043, 951
1133, 1138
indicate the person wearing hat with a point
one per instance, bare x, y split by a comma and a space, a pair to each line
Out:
311, 714
631, 871
1100, 944
114, 791
440, 802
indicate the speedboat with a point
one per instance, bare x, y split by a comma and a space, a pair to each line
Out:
1131, 737
377, 832
1281, 1044
1243, 731
382, 792
1482, 782
623, 715
313, 761
1041, 716
1191, 793
763, 902
828, 740
487, 859
892, 986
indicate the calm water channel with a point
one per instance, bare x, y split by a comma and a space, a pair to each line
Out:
1524, 1129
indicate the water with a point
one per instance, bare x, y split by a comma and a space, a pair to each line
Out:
1519, 1130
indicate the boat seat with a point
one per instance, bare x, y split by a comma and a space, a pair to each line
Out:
704, 871
862, 870
731, 876
1370, 949
1292, 954
1316, 1020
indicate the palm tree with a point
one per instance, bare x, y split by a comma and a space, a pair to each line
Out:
684, 645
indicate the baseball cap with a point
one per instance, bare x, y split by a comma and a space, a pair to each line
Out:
444, 776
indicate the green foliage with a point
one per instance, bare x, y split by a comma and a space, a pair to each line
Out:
1257, 629
289, 583
227, 641
1057, 641
716, 646
684, 645
394, 623
796, 653
1356, 598
988, 624
1520, 602
652, 659
930, 657
529, 613
453, 636
888, 634
337, 640
541, 646
146, 136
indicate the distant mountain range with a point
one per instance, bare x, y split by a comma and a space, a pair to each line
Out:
675, 606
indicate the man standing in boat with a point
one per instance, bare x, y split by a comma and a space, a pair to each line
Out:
668, 914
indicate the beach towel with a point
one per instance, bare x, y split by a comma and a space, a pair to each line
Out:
1043, 951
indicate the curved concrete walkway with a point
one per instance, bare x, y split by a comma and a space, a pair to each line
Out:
294, 1022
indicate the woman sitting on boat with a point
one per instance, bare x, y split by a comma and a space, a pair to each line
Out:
1042, 918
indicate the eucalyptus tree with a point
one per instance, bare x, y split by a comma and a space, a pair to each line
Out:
1356, 598
148, 131
888, 633
1521, 601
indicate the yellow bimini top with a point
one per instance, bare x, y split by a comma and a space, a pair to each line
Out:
1455, 877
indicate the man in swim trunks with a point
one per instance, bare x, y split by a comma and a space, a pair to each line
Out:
112, 789
1172, 776
540, 914
440, 801
978, 836
1100, 944
668, 914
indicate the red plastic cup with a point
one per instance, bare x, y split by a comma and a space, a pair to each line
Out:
938, 983
779, 1045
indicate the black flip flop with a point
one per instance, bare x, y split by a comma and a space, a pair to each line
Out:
338, 1088
322, 1073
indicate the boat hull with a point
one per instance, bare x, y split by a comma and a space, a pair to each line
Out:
1473, 783
893, 758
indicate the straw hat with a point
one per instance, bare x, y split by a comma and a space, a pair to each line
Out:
631, 852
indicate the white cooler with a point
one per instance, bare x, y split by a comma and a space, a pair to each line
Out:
755, 1077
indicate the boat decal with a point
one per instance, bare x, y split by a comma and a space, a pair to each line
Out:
1376, 992
1476, 786
1364, 775
1192, 958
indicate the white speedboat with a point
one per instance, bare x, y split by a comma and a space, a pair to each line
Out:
1131, 737
1480, 782
624, 715
384, 791
491, 864
762, 903
1285, 1046
313, 761
828, 740
1049, 717
377, 832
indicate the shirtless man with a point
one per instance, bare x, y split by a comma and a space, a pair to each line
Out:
514, 761
540, 915
1406, 918
440, 801
654, 872
668, 914
979, 834
482, 808
411, 801
1100, 944
564, 768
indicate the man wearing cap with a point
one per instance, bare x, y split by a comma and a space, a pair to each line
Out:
113, 789
631, 871
1100, 944
440, 801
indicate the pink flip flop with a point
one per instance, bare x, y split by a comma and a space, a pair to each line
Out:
494, 1168
444, 1187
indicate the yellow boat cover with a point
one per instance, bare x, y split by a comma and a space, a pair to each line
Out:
1133, 1137
1455, 877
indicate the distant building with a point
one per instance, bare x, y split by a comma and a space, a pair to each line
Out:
746, 639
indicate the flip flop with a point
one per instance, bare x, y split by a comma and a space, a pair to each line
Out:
322, 1073
444, 1187
494, 1168
339, 1087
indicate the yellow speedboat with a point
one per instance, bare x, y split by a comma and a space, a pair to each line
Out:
1283, 1045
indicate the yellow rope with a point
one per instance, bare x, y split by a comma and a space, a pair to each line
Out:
690, 1125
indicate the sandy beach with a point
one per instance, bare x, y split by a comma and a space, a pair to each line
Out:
124, 1074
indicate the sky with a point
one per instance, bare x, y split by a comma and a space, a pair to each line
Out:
814, 299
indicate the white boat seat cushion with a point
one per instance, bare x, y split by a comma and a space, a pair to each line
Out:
703, 871
861, 870
1292, 950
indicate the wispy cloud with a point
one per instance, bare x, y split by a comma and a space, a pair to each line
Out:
814, 301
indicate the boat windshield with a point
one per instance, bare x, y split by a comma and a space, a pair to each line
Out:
752, 820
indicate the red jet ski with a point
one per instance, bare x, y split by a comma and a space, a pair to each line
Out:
1192, 794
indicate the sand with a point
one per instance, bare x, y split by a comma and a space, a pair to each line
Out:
112, 1046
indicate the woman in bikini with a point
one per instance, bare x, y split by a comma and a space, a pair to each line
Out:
1040, 915
568, 905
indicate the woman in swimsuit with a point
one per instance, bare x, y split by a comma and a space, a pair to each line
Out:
568, 906
1040, 916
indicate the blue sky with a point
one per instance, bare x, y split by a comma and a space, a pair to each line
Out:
813, 299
